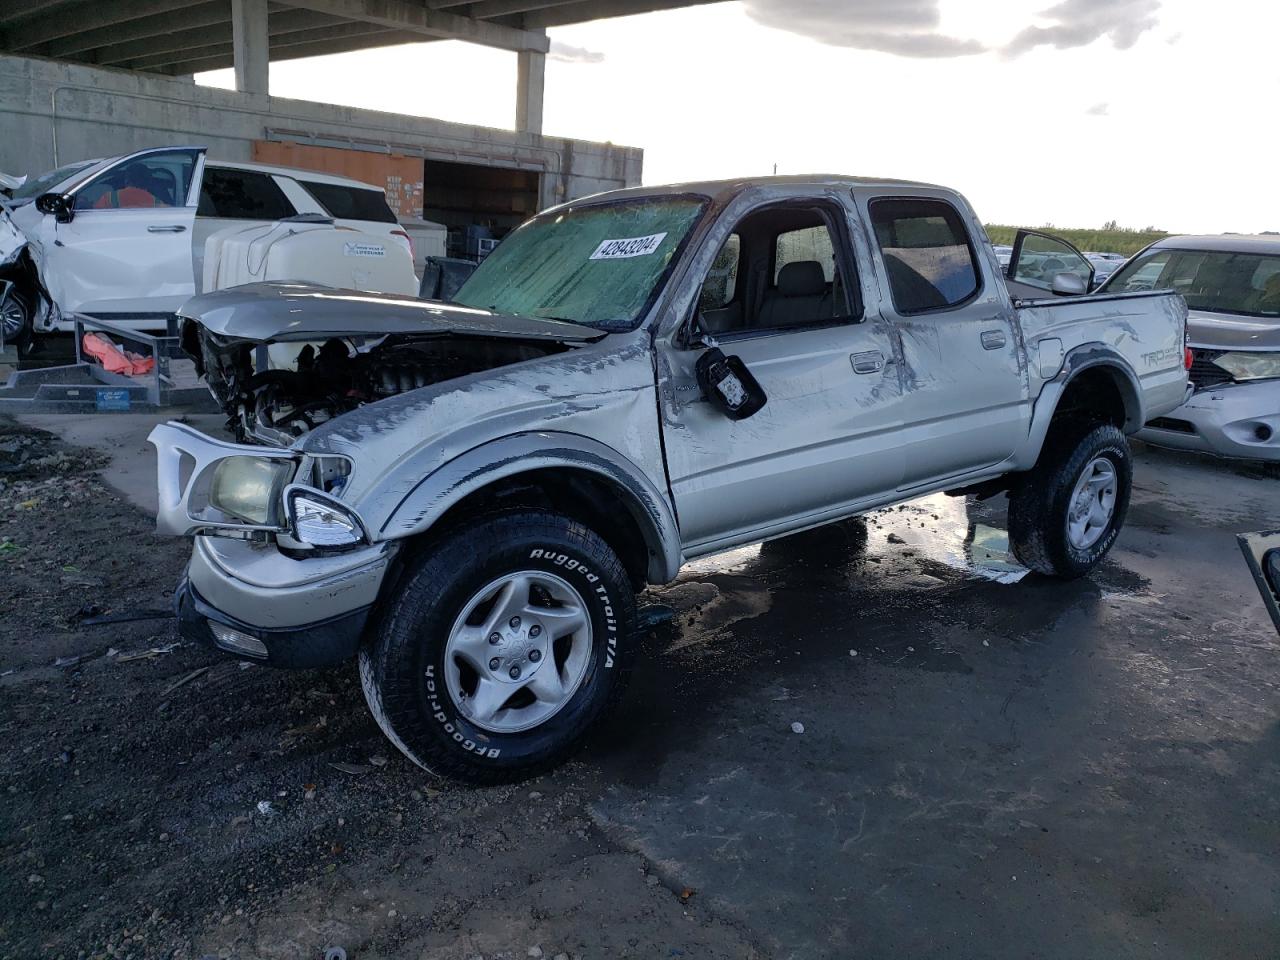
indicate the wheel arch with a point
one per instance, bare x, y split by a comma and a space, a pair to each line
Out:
576, 475
1095, 381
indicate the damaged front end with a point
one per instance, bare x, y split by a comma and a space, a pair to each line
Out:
278, 376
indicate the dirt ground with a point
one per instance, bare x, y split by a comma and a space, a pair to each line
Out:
992, 765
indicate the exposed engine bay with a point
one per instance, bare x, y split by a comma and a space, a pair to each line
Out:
275, 393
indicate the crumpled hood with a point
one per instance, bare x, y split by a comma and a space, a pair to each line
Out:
1226, 331
280, 312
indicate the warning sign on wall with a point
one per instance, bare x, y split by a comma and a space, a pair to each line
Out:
399, 175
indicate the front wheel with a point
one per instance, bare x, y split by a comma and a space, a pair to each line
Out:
502, 646
1065, 514
16, 319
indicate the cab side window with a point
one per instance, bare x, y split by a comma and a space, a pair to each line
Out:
927, 254
155, 180
232, 194
779, 270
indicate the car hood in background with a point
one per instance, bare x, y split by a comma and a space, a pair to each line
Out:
281, 312
1229, 331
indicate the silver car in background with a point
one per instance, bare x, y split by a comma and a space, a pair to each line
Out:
1232, 288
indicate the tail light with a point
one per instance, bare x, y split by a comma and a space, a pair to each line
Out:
1188, 358
407, 239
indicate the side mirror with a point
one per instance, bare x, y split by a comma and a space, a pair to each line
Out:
57, 204
728, 385
1262, 554
1068, 285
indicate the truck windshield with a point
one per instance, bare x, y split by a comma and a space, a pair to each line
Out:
600, 265
1214, 281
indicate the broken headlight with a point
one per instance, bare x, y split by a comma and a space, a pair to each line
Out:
251, 488
319, 521
1250, 366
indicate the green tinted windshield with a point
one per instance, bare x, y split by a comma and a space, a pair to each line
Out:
599, 265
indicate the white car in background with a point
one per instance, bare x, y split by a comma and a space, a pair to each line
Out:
123, 239
1232, 288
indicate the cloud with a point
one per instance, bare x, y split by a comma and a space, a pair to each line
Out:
1078, 23
1099, 110
908, 28
569, 54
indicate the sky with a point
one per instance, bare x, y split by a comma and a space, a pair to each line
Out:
1148, 112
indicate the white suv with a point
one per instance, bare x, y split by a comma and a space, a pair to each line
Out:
123, 238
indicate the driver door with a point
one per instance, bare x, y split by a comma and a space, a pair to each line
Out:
790, 309
126, 252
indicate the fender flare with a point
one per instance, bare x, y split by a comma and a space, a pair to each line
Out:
513, 455
1086, 356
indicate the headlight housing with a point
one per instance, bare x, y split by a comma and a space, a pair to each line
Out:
321, 521
1250, 366
251, 488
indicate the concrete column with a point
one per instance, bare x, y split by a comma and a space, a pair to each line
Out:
531, 76
249, 39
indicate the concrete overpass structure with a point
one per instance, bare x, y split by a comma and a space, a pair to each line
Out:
91, 78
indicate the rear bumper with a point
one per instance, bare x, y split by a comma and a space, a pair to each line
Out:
1235, 420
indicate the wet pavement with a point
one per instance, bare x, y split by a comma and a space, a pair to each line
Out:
992, 764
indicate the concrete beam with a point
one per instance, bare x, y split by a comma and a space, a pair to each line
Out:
217, 34
315, 48
531, 80
204, 15
489, 9
313, 37
581, 11
92, 16
249, 41
416, 17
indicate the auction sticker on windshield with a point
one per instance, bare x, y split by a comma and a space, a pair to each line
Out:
628, 247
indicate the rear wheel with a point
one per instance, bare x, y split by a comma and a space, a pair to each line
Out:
501, 648
1065, 514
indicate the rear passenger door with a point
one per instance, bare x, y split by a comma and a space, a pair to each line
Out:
965, 394
231, 197
781, 291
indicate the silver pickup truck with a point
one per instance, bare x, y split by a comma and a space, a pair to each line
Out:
467, 497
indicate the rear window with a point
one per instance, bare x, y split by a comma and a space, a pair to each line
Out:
351, 203
242, 195
927, 254
809, 243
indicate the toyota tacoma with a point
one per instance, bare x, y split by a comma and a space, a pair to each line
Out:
466, 497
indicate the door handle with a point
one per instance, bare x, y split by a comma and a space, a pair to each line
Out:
872, 361
992, 339
173, 228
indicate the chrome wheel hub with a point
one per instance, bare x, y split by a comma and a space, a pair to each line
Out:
1092, 503
518, 651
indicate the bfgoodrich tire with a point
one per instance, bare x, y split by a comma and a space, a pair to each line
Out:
1065, 514
502, 646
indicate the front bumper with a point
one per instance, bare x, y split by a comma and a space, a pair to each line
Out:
301, 613
1233, 420
324, 644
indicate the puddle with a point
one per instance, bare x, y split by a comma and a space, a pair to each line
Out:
940, 528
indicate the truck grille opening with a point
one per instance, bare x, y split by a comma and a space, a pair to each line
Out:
1204, 372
